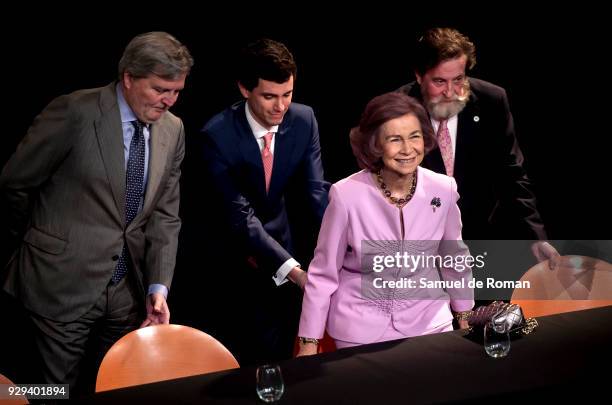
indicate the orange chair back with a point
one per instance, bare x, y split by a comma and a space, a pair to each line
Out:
161, 352
578, 282
17, 400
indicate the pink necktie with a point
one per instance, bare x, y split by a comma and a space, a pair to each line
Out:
446, 147
267, 158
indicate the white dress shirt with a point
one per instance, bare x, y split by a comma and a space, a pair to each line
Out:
280, 277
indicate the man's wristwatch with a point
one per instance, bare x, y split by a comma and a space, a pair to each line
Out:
304, 340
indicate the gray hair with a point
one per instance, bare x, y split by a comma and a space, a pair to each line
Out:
157, 53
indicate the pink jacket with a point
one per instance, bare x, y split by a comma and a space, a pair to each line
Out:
358, 211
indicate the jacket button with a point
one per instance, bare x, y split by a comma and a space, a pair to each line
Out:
115, 258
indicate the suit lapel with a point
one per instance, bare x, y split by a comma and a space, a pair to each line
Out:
283, 149
249, 148
110, 140
158, 151
467, 127
251, 153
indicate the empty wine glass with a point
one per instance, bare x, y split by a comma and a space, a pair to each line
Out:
270, 386
496, 339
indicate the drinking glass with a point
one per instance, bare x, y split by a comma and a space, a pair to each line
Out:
496, 340
270, 386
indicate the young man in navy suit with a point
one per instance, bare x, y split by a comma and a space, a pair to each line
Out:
256, 151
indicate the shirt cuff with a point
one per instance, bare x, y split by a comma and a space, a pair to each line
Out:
281, 274
158, 288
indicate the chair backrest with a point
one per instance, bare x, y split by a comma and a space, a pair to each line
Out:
16, 400
161, 352
578, 282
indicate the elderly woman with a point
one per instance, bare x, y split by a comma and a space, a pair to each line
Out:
391, 205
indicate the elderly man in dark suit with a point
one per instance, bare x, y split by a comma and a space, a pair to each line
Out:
477, 143
255, 150
93, 191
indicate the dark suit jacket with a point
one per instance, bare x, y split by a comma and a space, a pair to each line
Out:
495, 197
258, 222
65, 186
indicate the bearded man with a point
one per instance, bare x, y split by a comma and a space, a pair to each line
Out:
476, 140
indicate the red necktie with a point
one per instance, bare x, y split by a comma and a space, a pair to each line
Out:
446, 147
267, 158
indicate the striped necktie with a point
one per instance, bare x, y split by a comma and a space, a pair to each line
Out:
267, 158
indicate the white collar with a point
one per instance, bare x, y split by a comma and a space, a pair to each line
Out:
258, 130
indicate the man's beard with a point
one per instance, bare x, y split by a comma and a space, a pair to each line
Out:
443, 110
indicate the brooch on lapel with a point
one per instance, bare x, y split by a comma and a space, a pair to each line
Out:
435, 203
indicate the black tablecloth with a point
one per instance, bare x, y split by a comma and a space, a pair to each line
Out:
565, 358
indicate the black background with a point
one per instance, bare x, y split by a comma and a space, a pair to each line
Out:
551, 62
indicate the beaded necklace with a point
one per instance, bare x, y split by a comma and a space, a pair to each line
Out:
399, 202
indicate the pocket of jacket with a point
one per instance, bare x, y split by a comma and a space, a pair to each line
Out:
44, 241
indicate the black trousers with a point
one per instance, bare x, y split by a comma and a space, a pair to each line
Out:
19, 359
71, 352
